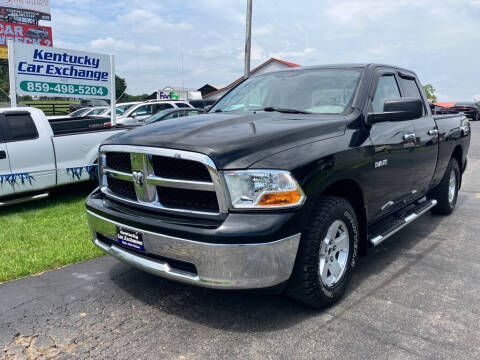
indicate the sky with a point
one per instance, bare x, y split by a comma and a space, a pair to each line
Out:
438, 39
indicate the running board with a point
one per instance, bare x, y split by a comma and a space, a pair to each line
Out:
24, 199
396, 224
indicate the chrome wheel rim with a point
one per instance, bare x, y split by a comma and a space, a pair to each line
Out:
334, 251
452, 187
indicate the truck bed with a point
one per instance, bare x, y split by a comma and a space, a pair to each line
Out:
72, 125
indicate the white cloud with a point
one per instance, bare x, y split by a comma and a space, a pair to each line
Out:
114, 45
144, 21
356, 12
263, 29
291, 54
148, 36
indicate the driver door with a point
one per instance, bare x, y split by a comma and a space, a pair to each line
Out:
392, 172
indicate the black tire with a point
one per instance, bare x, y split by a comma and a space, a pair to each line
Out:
305, 284
440, 193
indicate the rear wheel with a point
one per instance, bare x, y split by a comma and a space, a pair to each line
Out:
446, 193
326, 255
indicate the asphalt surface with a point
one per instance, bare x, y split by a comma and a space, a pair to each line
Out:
416, 296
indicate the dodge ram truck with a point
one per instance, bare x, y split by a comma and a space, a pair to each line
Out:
283, 184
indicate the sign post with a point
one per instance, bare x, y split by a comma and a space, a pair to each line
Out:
25, 11
113, 94
24, 33
54, 72
11, 74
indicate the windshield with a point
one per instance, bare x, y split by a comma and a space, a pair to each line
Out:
324, 91
79, 112
157, 116
122, 108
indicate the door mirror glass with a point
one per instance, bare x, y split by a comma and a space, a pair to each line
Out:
398, 110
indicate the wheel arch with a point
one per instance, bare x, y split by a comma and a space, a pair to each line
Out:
457, 154
350, 190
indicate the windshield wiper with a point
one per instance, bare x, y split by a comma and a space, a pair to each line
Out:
288, 111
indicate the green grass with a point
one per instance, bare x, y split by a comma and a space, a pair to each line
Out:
46, 234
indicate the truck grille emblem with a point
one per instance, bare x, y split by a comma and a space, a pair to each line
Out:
138, 178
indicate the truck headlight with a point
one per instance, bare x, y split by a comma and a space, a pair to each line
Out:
263, 189
102, 162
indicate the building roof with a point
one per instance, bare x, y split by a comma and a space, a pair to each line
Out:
287, 63
445, 104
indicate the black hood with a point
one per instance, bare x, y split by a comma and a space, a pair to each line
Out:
234, 140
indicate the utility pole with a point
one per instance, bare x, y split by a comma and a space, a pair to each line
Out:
183, 78
248, 38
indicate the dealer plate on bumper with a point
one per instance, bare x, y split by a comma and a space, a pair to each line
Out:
130, 238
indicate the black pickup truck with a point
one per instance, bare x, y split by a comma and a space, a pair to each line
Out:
287, 180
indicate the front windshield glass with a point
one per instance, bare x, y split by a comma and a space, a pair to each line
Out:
79, 112
157, 116
122, 108
323, 91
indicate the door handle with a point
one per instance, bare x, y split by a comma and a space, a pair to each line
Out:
3, 155
409, 137
433, 132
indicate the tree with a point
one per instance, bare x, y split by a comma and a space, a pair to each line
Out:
4, 84
120, 85
430, 92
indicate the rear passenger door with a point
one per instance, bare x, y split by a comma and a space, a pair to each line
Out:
393, 169
32, 160
426, 133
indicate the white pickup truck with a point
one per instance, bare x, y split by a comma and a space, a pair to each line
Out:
37, 154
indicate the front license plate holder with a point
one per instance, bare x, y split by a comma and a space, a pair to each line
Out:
130, 238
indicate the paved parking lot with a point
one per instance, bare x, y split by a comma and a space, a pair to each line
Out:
415, 296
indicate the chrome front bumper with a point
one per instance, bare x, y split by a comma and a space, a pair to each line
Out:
222, 266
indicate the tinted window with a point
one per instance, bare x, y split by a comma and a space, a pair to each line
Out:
193, 112
411, 89
143, 110
171, 116
18, 127
79, 112
161, 107
98, 102
387, 89
182, 105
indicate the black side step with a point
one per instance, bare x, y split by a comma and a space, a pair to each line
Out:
387, 227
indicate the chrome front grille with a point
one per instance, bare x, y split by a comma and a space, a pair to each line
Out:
165, 180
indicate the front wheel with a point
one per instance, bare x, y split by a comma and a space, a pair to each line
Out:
326, 255
446, 193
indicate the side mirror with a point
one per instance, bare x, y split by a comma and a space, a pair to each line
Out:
133, 115
207, 108
398, 110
